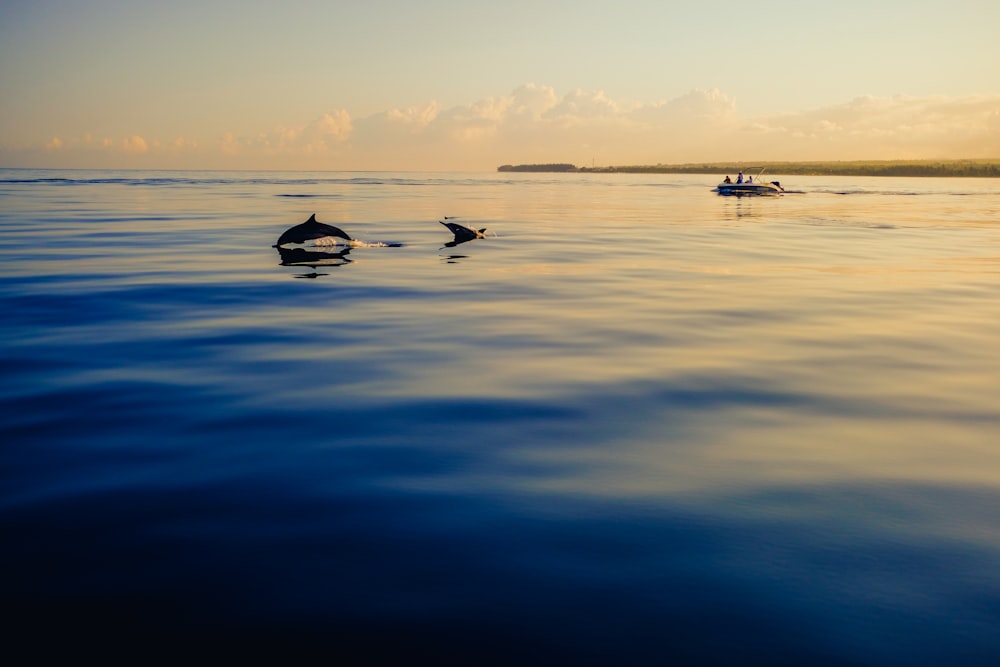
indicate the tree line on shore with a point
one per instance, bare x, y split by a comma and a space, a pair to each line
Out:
965, 168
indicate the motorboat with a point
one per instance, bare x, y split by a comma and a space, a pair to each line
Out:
750, 186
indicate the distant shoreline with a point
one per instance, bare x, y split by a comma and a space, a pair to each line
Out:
989, 168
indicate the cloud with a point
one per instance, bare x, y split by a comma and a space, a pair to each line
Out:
533, 123
886, 127
132, 145
321, 136
178, 145
135, 145
710, 106
326, 132
413, 118
530, 102
579, 106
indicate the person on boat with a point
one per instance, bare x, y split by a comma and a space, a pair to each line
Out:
728, 180
739, 177
749, 179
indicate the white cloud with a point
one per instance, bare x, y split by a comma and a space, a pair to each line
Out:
580, 105
533, 124
326, 132
531, 101
321, 136
886, 128
135, 144
709, 106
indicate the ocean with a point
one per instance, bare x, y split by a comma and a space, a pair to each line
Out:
635, 424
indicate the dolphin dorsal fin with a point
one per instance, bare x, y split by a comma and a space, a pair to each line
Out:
312, 218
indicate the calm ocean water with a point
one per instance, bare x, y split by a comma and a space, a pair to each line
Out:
638, 423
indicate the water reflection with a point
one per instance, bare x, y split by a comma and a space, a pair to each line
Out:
313, 258
740, 207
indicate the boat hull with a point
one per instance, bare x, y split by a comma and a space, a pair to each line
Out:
743, 189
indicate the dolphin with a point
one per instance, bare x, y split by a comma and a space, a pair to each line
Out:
461, 232
309, 230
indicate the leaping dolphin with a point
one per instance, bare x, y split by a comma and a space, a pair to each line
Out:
309, 230
461, 232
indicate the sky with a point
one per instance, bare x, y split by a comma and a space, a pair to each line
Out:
470, 84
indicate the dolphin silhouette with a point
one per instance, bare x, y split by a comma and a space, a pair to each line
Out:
309, 230
461, 232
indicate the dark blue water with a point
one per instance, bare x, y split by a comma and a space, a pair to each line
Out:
637, 423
